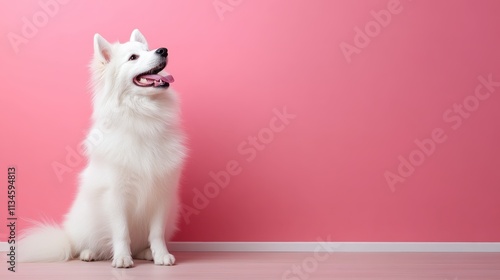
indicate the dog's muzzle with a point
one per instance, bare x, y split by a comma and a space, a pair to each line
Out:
151, 78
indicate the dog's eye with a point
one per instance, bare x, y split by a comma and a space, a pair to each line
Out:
133, 57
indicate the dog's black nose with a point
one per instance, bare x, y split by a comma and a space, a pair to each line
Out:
162, 51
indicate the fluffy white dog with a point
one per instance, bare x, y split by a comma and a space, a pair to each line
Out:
127, 203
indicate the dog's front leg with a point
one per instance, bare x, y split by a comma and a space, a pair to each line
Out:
120, 232
161, 256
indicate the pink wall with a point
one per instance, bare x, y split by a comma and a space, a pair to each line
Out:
362, 99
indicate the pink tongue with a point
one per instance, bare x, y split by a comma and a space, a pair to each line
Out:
166, 79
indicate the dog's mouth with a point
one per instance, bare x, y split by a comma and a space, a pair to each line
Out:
151, 78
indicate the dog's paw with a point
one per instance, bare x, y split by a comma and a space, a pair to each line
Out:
164, 259
122, 261
87, 255
145, 254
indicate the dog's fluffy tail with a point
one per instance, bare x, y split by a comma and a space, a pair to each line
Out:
44, 243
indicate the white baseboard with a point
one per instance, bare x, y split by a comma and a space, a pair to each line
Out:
443, 247
4, 246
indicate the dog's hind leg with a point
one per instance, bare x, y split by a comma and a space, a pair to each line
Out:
145, 254
87, 255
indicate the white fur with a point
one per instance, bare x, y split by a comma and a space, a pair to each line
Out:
127, 202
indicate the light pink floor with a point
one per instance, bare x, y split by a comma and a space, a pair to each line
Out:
296, 266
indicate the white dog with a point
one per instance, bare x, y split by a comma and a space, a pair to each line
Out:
127, 201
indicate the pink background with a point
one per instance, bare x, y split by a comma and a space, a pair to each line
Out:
323, 173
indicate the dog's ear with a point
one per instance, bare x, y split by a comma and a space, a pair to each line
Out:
102, 48
137, 36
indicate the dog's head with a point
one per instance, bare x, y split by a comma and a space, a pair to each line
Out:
131, 67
